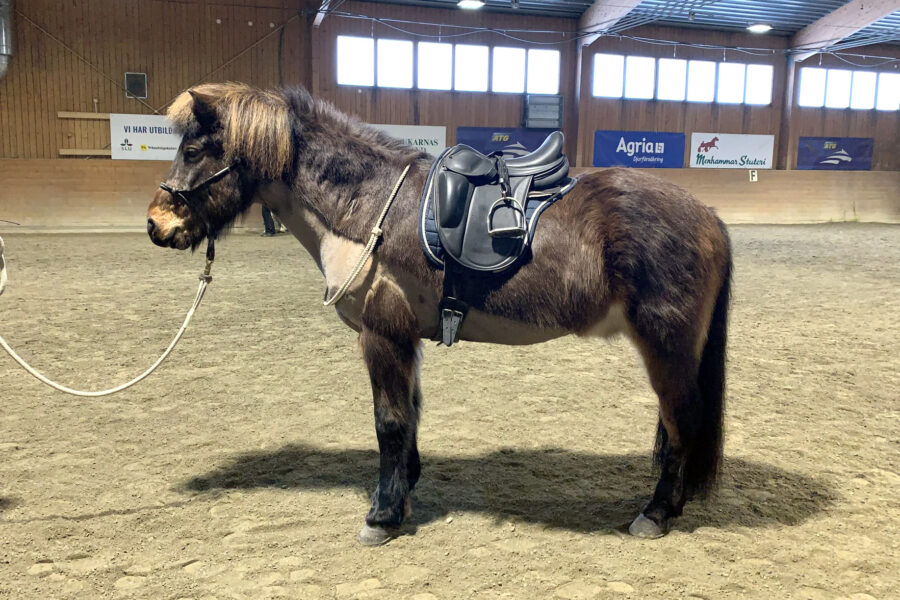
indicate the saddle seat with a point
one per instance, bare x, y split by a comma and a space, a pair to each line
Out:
479, 213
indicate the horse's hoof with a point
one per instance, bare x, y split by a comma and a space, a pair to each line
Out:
645, 528
374, 536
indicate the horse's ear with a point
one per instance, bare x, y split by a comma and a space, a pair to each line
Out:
204, 108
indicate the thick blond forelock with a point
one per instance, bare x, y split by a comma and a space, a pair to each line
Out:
256, 124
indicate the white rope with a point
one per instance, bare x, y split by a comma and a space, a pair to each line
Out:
370, 246
204, 282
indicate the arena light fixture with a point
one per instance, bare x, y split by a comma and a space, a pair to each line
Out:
760, 28
470, 4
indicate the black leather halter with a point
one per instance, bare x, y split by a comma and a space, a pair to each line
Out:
189, 198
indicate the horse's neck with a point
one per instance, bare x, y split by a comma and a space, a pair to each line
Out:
334, 255
302, 222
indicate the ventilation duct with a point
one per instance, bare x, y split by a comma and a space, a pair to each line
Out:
6, 48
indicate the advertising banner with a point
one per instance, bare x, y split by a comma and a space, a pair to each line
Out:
731, 151
427, 138
646, 149
835, 154
142, 137
511, 141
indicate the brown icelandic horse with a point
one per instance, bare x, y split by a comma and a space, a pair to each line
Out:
623, 252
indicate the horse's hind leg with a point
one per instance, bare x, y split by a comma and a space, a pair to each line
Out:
390, 348
680, 412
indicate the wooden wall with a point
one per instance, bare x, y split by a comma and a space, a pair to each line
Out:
46, 194
883, 126
177, 44
679, 117
422, 107
181, 43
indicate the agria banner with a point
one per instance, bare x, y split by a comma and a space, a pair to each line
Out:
835, 154
731, 151
643, 149
511, 141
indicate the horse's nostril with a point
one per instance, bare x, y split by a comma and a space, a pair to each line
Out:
151, 226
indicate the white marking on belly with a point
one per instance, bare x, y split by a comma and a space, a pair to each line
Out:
612, 323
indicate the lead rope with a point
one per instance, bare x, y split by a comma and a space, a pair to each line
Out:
370, 246
205, 279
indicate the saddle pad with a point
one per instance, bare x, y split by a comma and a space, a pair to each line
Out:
535, 204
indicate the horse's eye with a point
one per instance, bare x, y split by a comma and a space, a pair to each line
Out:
191, 153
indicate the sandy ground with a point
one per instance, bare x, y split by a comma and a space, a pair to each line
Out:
242, 469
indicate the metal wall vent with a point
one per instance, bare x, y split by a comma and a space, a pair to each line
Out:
135, 85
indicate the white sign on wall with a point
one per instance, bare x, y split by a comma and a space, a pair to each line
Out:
142, 137
427, 138
731, 151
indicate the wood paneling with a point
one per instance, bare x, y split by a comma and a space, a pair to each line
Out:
180, 43
791, 197
883, 126
48, 193
679, 117
451, 109
177, 44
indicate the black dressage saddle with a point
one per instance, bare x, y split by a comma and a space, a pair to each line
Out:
479, 214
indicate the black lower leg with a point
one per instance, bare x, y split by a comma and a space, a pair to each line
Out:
669, 497
392, 491
389, 341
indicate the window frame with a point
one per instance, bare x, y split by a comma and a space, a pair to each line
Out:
558, 70
621, 95
687, 79
337, 63
452, 66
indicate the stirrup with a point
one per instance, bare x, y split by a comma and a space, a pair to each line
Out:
517, 229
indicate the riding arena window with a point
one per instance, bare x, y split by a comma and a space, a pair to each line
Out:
677, 80
363, 61
843, 88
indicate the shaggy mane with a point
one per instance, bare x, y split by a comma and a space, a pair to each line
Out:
256, 124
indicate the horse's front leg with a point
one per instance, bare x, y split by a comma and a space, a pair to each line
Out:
390, 343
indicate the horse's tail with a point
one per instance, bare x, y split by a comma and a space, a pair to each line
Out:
702, 467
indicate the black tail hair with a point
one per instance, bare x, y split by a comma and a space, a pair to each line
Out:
702, 466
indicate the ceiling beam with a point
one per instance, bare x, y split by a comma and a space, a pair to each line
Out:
839, 25
320, 14
602, 15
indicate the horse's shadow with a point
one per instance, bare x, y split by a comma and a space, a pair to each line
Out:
6, 503
553, 487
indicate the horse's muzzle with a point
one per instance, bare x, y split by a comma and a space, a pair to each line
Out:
166, 228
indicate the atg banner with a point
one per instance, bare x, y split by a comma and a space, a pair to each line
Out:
731, 151
638, 149
142, 137
511, 141
427, 138
835, 154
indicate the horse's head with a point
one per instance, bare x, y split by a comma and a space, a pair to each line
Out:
234, 137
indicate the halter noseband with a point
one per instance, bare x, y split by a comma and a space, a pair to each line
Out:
182, 194
186, 195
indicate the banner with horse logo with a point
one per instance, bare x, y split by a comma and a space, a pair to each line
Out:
511, 141
645, 149
835, 153
142, 137
731, 151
